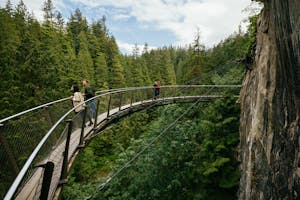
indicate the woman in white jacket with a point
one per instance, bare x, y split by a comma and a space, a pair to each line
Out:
78, 99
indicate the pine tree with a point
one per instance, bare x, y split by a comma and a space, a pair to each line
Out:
84, 60
9, 73
59, 21
146, 80
21, 14
166, 68
196, 61
101, 72
180, 64
145, 49
153, 64
67, 63
48, 9
136, 68
145, 62
115, 69
9, 8
76, 25
100, 32
116, 74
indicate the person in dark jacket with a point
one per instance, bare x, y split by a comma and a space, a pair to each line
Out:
78, 102
89, 93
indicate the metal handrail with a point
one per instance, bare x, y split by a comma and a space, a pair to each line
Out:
106, 92
33, 155
41, 106
45, 105
33, 109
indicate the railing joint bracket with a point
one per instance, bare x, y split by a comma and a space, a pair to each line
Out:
41, 164
63, 181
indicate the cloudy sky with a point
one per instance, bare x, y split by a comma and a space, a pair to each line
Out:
157, 22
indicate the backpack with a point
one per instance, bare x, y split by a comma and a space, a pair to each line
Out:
158, 85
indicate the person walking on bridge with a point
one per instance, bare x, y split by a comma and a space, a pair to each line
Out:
89, 93
156, 89
77, 99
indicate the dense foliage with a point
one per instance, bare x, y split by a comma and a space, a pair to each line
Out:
195, 159
39, 61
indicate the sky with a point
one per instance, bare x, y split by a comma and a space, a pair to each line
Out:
156, 22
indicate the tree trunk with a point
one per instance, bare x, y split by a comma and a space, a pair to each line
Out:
270, 104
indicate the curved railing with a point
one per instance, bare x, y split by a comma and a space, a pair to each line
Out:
68, 132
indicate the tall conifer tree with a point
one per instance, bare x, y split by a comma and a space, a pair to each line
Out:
84, 60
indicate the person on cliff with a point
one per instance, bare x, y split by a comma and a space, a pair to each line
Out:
89, 92
78, 102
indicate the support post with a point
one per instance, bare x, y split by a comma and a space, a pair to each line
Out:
131, 99
48, 172
82, 127
120, 103
142, 100
96, 117
64, 169
108, 107
9, 153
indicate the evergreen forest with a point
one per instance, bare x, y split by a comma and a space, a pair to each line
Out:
194, 159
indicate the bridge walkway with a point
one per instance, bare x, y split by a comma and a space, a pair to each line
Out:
38, 181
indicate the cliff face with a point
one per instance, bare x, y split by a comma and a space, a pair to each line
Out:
270, 104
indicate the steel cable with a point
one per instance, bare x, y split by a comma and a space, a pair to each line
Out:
103, 185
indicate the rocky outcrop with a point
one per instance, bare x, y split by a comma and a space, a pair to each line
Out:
270, 104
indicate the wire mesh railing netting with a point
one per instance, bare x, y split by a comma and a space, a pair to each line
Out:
19, 137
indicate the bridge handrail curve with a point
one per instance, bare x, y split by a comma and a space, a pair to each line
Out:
104, 92
33, 109
35, 152
46, 105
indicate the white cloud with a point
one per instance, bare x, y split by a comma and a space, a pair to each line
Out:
216, 19
121, 16
128, 48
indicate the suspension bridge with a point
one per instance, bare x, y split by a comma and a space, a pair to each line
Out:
39, 145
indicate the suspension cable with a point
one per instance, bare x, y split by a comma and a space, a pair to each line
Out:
103, 185
219, 68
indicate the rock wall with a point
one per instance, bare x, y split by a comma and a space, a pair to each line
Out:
270, 104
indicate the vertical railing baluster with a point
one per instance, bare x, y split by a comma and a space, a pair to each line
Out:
82, 128
142, 97
10, 154
64, 169
108, 106
120, 103
131, 98
47, 177
96, 117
